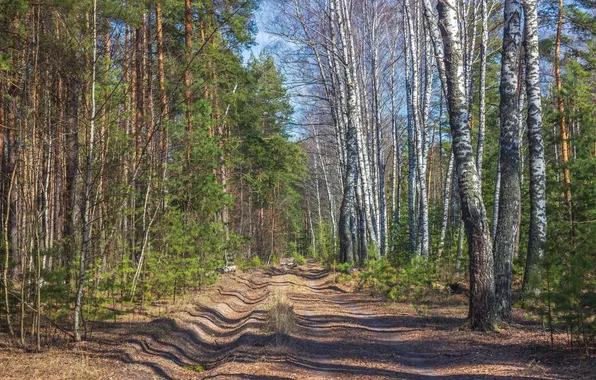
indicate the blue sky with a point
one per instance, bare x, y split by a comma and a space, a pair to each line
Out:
262, 39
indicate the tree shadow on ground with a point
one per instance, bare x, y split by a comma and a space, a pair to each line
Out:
323, 344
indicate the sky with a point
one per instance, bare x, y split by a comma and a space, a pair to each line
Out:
262, 39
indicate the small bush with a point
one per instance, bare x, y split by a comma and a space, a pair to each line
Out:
299, 259
255, 262
344, 278
344, 267
281, 318
273, 259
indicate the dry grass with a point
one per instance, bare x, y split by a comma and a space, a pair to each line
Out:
54, 364
281, 318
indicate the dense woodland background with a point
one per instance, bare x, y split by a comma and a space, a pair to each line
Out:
141, 151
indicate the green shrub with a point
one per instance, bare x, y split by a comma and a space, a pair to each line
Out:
399, 284
298, 258
344, 267
255, 262
326, 248
273, 259
344, 278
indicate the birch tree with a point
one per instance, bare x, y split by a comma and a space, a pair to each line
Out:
482, 87
537, 235
510, 195
482, 287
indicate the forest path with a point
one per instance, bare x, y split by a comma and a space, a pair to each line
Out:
339, 333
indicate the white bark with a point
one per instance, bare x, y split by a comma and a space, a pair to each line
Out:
348, 208
446, 193
378, 132
538, 222
482, 89
506, 237
435, 34
482, 288
330, 196
412, 164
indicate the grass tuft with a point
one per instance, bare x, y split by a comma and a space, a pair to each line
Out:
196, 368
281, 318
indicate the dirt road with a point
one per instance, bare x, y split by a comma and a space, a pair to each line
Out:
221, 334
338, 334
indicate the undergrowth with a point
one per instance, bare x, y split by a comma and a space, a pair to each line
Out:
410, 281
298, 258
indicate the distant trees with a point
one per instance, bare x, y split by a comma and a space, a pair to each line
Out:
134, 159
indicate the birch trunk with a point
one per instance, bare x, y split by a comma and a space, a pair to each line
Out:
396, 180
496, 196
482, 288
482, 89
412, 164
380, 160
435, 35
330, 196
446, 193
505, 239
347, 220
537, 237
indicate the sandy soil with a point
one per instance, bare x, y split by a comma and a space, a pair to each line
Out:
339, 333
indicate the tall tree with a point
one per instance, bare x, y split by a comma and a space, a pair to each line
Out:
510, 195
187, 86
563, 128
482, 287
347, 218
482, 87
88, 184
537, 234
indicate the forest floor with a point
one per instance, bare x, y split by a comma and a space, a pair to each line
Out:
339, 332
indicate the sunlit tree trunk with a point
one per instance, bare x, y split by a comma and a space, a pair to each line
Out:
378, 129
482, 87
164, 114
446, 197
418, 129
563, 129
435, 35
482, 290
347, 220
412, 164
537, 235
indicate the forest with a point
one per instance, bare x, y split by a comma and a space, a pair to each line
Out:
181, 201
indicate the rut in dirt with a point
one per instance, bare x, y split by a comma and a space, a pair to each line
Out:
337, 333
